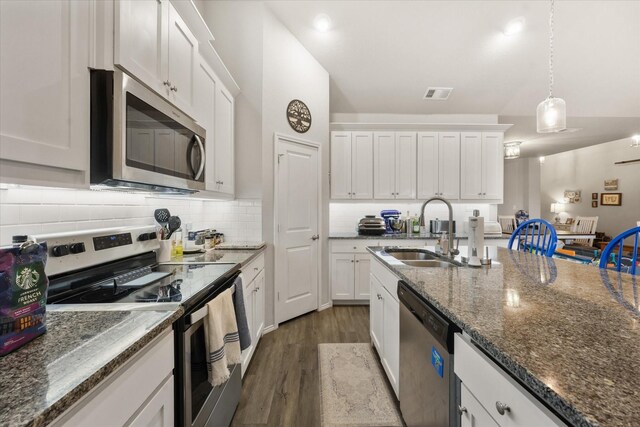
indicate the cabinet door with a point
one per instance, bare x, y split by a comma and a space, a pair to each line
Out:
384, 165
363, 271
258, 307
341, 165
249, 303
405, 165
427, 165
492, 165
44, 84
342, 276
375, 313
391, 338
224, 141
181, 61
141, 39
204, 103
158, 412
471, 165
449, 165
362, 165
474, 415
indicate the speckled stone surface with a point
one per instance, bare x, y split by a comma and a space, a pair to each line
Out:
231, 256
403, 236
41, 380
569, 332
241, 245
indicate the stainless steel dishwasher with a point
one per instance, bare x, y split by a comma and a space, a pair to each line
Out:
429, 390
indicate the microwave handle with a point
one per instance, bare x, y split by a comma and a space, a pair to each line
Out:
198, 174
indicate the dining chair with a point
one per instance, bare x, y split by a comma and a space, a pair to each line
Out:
507, 222
536, 236
618, 242
585, 224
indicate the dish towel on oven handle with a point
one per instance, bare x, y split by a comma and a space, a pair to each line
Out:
221, 338
241, 314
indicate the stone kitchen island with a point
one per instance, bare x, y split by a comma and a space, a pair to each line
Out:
567, 333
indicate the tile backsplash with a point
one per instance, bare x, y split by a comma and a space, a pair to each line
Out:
43, 211
344, 216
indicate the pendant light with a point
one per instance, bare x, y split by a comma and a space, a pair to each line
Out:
636, 141
512, 150
552, 112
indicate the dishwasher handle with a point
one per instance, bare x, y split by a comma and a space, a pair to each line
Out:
431, 319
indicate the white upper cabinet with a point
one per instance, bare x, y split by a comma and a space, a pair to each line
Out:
492, 165
341, 165
439, 165
224, 141
471, 165
44, 92
362, 165
204, 102
405, 165
351, 165
153, 43
482, 166
394, 165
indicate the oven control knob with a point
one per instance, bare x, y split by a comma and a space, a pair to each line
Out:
60, 250
77, 248
147, 236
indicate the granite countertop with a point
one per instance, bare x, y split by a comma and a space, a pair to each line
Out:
402, 236
222, 256
569, 332
41, 380
241, 245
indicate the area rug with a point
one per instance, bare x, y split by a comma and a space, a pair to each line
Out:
353, 389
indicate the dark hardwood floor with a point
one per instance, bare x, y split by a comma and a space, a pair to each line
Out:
282, 385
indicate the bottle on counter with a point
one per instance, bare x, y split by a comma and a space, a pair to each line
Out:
416, 224
179, 244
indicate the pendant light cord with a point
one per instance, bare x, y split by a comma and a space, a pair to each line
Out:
551, 50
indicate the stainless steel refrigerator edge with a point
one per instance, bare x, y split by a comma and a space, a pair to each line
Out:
427, 399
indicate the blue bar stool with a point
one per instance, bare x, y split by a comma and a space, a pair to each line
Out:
536, 236
618, 242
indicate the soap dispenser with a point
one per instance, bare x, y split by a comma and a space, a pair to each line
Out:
476, 239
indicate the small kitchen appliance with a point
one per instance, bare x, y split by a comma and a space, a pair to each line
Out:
117, 269
476, 239
392, 220
439, 226
371, 225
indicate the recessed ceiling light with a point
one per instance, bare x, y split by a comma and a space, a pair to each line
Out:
514, 27
322, 23
541, 158
636, 141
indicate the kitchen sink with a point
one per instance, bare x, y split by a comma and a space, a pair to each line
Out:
422, 258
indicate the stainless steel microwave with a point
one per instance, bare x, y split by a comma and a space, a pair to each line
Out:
141, 141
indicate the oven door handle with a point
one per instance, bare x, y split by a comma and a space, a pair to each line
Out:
198, 174
201, 313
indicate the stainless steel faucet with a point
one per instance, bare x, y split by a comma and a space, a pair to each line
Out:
450, 250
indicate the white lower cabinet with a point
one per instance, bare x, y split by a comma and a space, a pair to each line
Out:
253, 291
140, 393
490, 394
350, 264
384, 319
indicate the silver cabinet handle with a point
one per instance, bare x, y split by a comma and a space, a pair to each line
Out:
255, 268
355, 247
352, 261
502, 408
316, 237
479, 194
174, 88
462, 410
379, 296
357, 260
202, 158
166, 83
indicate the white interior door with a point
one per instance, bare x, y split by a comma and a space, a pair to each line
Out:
297, 254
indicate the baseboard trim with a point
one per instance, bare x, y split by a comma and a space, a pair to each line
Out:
325, 306
269, 328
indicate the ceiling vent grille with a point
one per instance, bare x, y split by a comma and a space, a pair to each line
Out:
438, 93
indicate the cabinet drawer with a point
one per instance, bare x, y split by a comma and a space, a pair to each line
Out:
490, 385
386, 277
251, 270
352, 246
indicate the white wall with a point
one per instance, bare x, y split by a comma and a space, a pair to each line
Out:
521, 187
42, 211
345, 215
586, 169
290, 72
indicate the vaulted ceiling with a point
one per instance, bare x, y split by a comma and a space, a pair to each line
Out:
382, 56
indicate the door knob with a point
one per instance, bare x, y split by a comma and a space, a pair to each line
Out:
462, 410
316, 237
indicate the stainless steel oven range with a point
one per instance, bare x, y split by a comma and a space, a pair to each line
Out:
116, 269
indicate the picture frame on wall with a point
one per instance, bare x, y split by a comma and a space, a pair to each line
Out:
594, 203
611, 199
594, 196
610, 185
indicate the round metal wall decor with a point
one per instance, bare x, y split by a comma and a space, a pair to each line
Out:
298, 116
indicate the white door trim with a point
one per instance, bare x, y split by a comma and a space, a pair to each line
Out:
277, 138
